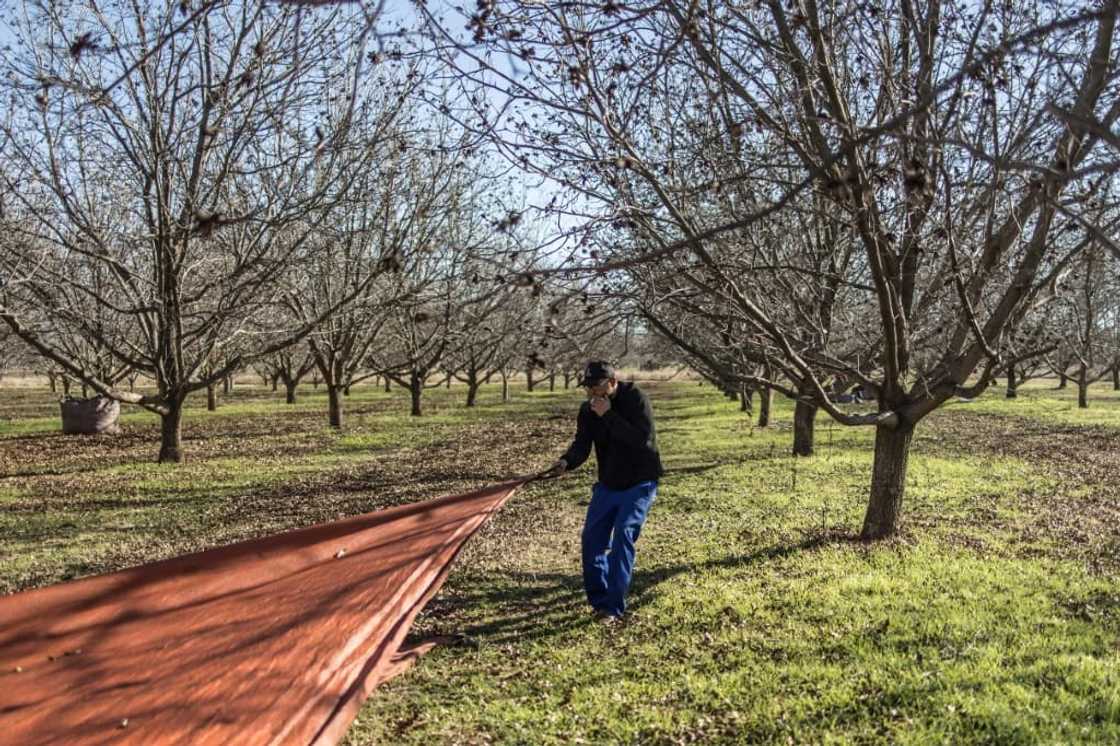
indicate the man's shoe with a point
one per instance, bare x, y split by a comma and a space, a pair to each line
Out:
606, 618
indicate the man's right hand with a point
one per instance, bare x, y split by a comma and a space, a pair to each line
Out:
557, 468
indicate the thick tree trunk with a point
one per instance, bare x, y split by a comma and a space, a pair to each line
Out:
334, 403
388, 384
416, 390
551, 381
529, 378
505, 387
1116, 378
888, 482
171, 434
567, 380
1062, 379
804, 417
290, 391
211, 398
472, 387
765, 396
1083, 388
1012, 383
275, 382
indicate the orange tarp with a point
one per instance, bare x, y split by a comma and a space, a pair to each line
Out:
271, 641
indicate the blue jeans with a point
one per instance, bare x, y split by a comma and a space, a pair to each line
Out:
614, 521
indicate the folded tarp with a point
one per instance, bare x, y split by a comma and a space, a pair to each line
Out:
271, 641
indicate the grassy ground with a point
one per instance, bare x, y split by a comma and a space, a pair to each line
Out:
756, 617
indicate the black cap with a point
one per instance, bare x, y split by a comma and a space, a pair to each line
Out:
596, 370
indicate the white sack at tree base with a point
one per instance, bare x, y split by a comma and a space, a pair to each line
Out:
90, 416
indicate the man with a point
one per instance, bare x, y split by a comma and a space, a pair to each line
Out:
618, 420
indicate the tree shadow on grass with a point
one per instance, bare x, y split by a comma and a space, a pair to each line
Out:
531, 607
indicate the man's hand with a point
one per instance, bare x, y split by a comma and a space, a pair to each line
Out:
557, 468
600, 405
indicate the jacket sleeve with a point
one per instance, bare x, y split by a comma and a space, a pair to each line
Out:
580, 448
636, 431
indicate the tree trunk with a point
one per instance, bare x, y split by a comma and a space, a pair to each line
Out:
765, 396
1116, 378
567, 380
227, 385
275, 382
85, 391
65, 386
449, 381
211, 398
346, 390
1012, 384
888, 482
552, 380
1062, 379
53, 383
171, 434
290, 391
1083, 388
388, 384
334, 402
505, 386
529, 378
472, 387
804, 417
416, 390
745, 400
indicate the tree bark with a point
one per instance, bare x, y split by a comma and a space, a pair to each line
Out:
211, 398
888, 482
746, 397
529, 378
1062, 379
53, 383
1083, 388
567, 380
171, 433
65, 386
334, 403
388, 384
276, 383
1012, 383
804, 417
472, 387
551, 380
1116, 378
227, 385
505, 387
765, 396
85, 391
290, 391
416, 390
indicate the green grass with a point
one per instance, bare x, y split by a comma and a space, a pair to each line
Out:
756, 616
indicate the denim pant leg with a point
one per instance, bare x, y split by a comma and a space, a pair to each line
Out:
595, 542
634, 505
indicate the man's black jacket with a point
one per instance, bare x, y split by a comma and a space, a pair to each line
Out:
625, 440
